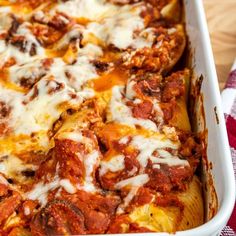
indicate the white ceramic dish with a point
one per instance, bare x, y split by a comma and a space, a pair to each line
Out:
218, 151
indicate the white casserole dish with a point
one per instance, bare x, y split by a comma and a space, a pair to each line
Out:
218, 151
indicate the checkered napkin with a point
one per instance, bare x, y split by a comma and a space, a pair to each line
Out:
229, 106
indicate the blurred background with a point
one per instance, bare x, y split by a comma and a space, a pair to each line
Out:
221, 16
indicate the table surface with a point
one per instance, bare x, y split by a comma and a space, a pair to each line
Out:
221, 17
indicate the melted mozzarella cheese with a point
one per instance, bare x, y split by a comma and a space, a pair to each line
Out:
29, 71
63, 86
115, 164
172, 30
117, 30
122, 113
3, 180
168, 159
159, 113
41, 190
40, 112
10, 96
74, 136
60, 88
35, 112
26, 210
2, 49
89, 9
30, 39
147, 146
124, 29
136, 181
77, 74
5, 9
130, 92
74, 33
39, 16
170, 132
124, 140
74, 76
91, 161
126, 201
68, 186
134, 184
81, 72
91, 50
10, 51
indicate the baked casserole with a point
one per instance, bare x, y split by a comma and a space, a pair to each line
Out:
95, 136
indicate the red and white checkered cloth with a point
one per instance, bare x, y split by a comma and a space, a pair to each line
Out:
229, 106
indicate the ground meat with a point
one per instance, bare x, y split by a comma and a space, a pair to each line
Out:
143, 196
59, 21
143, 110
20, 42
149, 85
8, 205
33, 50
5, 110
54, 86
14, 26
132, 166
152, 59
70, 155
80, 213
168, 178
46, 35
100, 66
58, 217
167, 109
162, 56
173, 87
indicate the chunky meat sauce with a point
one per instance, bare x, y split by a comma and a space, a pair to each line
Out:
90, 115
